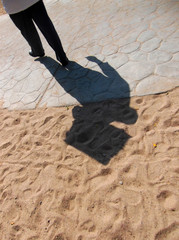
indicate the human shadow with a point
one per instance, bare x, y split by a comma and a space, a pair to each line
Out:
104, 97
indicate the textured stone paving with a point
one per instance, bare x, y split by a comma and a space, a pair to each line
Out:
117, 48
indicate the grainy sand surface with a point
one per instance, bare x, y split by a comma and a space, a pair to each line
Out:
103, 171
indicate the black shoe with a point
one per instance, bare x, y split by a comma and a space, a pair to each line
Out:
36, 55
65, 62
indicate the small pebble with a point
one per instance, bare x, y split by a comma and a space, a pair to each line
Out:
121, 182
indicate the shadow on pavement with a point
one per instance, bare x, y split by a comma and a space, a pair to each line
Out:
92, 132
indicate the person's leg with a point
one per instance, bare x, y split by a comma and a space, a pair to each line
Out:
42, 20
24, 23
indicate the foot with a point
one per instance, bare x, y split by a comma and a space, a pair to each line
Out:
36, 55
65, 62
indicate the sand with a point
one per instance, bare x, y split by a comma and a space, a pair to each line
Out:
104, 171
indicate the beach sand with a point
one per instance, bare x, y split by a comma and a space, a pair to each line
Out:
103, 171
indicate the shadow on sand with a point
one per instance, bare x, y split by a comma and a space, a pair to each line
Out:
92, 132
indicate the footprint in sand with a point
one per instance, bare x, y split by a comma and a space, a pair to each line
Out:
68, 202
88, 226
169, 233
169, 200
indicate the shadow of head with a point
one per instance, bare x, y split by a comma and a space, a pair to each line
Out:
93, 133
104, 97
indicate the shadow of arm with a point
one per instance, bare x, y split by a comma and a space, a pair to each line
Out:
107, 69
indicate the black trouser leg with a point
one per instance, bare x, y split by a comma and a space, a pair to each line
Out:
42, 20
24, 23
